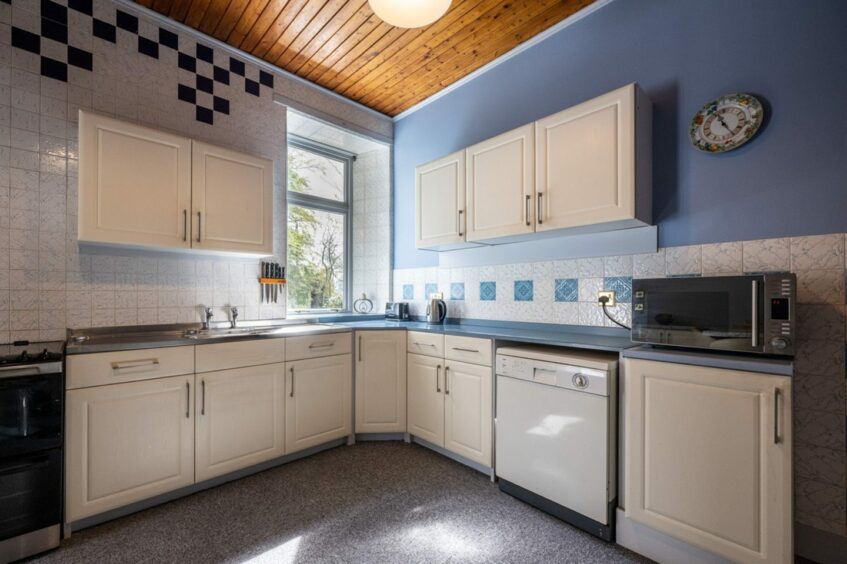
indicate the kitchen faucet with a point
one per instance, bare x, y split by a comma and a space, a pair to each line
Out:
207, 317
233, 311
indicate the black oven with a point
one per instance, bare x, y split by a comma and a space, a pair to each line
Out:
750, 314
31, 435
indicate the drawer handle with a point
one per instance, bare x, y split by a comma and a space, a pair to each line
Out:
417, 344
466, 350
321, 345
125, 364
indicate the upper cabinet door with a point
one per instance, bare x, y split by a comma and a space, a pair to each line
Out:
501, 185
134, 184
586, 162
232, 198
440, 203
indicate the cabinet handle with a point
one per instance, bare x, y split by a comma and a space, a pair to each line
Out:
188, 400
754, 308
776, 438
438, 379
122, 365
465, 350
292, 383
360, 348
323, 345
447, 380
459, 222
526, 209
417, 344
185, 225
538, 208
203, 397
199, 225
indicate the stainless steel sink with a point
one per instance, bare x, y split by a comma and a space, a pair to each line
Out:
260, 331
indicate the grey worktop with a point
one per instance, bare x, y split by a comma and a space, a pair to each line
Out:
764, 365
541, 334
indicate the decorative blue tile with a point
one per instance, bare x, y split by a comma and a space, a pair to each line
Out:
523, 290
488, 291
408, 291
622, 286
457, 291
567, 290
430, 289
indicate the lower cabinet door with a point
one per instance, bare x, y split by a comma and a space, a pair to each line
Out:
127, 442
240, 418
425, 377
381, 381
467, 411
318, 401
708, 458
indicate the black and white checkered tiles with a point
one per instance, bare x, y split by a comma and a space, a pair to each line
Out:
52, 37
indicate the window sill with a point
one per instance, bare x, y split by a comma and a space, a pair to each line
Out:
334, 316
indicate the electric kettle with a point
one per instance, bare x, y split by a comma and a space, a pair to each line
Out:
436, 311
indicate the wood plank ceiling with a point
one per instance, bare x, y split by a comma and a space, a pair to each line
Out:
343, 46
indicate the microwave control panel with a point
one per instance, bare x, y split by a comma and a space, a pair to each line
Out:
780, 317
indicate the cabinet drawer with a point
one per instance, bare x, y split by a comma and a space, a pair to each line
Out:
97, 369
430, 344
314, 346
222, 356
468, 349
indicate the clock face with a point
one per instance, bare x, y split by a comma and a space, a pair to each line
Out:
726, 123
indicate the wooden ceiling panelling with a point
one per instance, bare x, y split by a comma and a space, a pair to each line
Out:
343, 46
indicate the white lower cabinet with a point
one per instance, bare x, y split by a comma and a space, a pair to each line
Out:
425, 376
127, 442
381, 381
449, 402
467, 411
318, 401
708, 458
240, 417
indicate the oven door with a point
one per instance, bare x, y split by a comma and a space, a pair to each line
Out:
30, 492
722, 313
30, 409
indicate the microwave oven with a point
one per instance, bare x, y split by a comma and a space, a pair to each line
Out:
749, 314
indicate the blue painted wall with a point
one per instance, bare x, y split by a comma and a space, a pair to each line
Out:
791, 180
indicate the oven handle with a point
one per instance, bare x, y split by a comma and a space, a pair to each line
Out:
16, 371
754, 337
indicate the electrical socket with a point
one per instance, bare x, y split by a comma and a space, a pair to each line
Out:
610, 294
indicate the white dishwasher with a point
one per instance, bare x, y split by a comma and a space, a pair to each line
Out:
556, 433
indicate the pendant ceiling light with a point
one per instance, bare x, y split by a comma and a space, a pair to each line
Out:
409, 13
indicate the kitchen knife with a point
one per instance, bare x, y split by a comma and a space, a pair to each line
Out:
276, 286
265, 269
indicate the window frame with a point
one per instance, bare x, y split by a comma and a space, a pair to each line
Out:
318, 203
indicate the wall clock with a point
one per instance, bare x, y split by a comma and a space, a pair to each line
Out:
726, 123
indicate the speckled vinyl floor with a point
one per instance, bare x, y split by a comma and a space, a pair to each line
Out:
372, 502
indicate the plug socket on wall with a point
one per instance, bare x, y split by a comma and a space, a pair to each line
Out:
609, 295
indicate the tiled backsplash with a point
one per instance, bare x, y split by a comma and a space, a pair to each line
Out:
57, 58
566, 292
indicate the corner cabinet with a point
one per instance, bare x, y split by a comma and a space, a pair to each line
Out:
440, 203
134, 184
501, 185
381, 381
708, 458
593, 163
148, 188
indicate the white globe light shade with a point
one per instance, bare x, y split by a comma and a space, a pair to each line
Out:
409, 13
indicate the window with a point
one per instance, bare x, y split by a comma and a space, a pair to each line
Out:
319, 184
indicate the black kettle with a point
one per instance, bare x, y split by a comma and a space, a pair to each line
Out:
436, 311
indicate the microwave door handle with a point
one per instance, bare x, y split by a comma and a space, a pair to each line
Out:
754, 337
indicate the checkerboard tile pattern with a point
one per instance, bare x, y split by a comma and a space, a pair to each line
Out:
203, 84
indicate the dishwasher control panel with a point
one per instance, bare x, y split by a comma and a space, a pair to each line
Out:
569, 376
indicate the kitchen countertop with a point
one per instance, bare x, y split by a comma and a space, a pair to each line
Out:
764, 365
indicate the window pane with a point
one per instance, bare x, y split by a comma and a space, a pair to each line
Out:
314, 174
315, 259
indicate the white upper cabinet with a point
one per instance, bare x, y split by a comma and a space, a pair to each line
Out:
440, 203
232, 197
708, 458
134, 184
143, 187
501, 185
593, 163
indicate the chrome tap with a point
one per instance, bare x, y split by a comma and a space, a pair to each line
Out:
233, 312
207, 317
